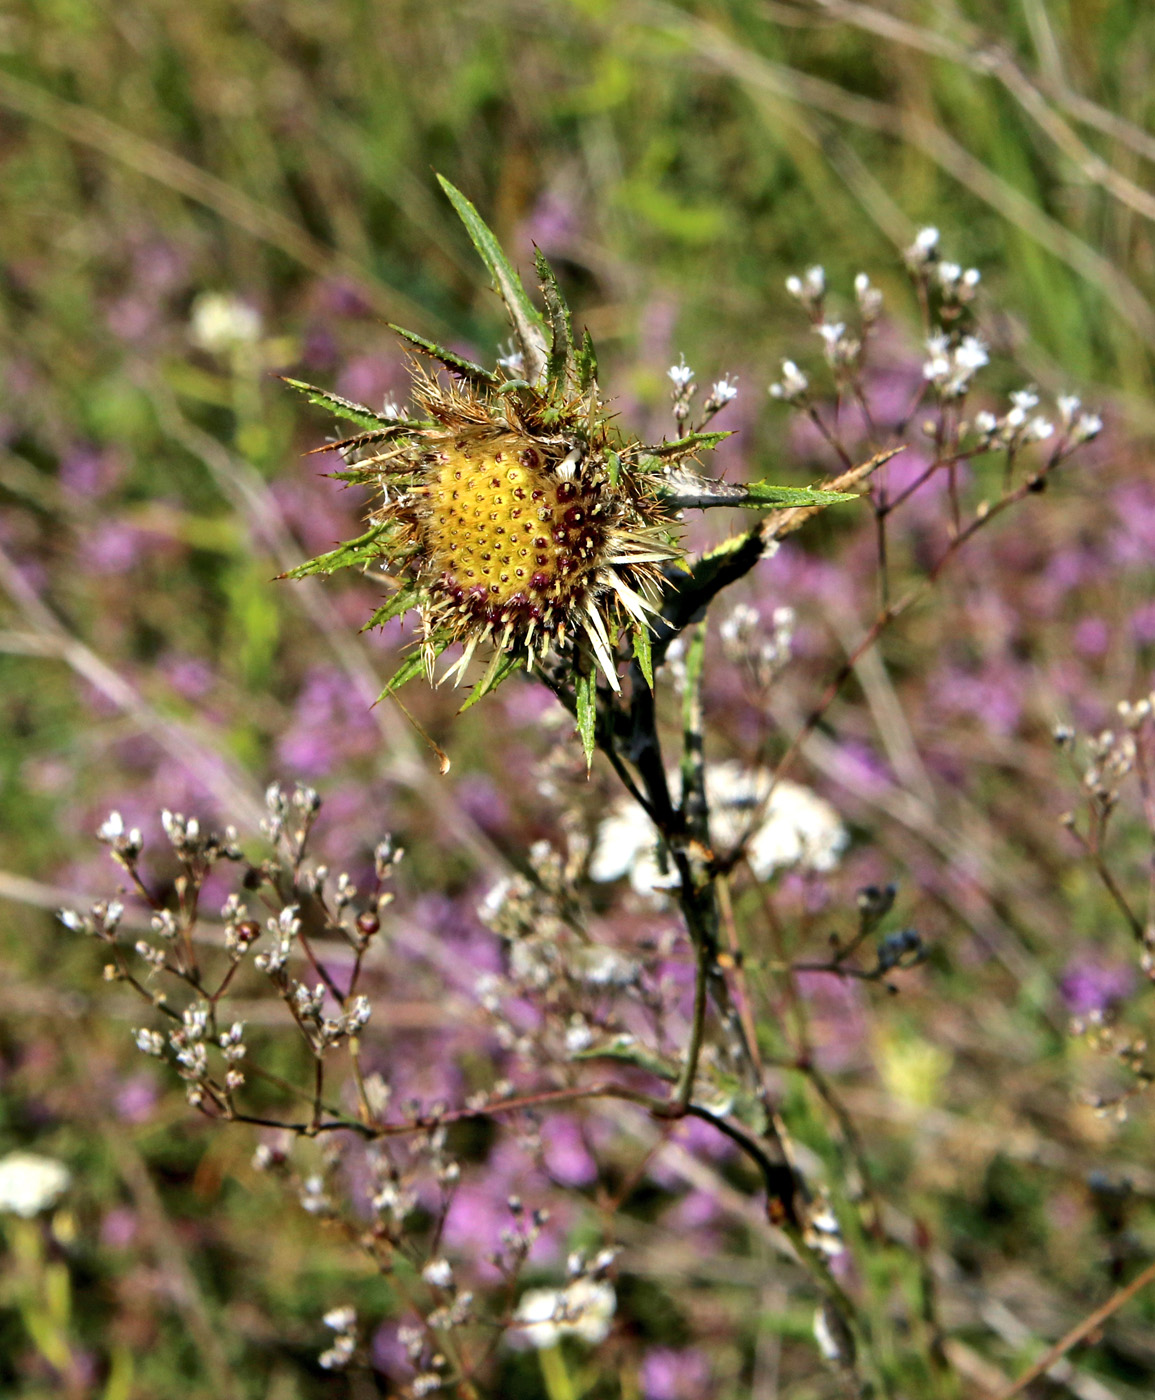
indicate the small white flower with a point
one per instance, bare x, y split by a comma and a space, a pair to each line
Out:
222, 323
438, 1273
1068, 405
793, 385
149, 1042
680, 375
723, 392
72, 921
810, 287
113, 826
1039, 429
924, 249
627, 843
1089, 426
30, 1183
578, 1036
869, 298
839, 348
340, 1319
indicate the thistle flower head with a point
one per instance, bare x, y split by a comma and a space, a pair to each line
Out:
513, 519
511, 514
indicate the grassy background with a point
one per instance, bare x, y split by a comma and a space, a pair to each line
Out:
675, 162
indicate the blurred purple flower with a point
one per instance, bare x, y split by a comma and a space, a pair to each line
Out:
1092, 983
674, 1375
566, 1155
1092, 636
838, 1025
993, 696
90, 471
118, 1228
113, 547
369, 379
189, 676
136, 1098
389, 1355
479, 797
319, 350
1143, 624
330, 723
339, 297
1133, 541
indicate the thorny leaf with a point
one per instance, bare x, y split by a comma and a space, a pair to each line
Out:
642, 653
585, 695
500, 668
587, 362
527, 322
346, 408
352, 554
560, 364
477, 374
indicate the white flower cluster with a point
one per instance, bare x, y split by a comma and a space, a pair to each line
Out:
793, 385
783, 825
1020, 425
810, 288
953, 363
342, 1321
746, 643
284, 928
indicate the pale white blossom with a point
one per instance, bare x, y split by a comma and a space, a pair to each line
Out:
584, 1309
680, 375
221, 323
30, 1183
783, 825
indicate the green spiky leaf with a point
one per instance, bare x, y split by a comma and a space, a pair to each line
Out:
401, 602
346, 408
560, 364
353, 554
527, 322
412, 667
692, 442
500, 668
642, 652
760, 495
476, 374
586, 697
586, 362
